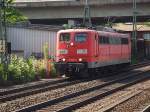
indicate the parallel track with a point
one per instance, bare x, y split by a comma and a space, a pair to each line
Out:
143, 108
31, 86
74, 100
22, 92
12, 94
141, 64
123, 100
56, 85
146, 109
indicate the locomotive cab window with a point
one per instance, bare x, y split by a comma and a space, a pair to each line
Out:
81, 37
64, 37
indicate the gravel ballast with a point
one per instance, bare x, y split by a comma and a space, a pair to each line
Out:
129, 106
135, 103
42, 81
10, 106
42, 97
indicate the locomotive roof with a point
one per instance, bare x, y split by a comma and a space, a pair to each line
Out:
92, 30
76, 30
113, 33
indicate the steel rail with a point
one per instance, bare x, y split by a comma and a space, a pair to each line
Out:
42, 87
18, 89
121, 101
37, 90
9, 91
147, 109
145, 63
86, 91
99, 96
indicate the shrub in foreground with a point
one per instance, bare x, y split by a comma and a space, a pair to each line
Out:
21, 70
3, 75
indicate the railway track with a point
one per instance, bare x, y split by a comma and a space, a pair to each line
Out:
131, 99
12, 94
80, 98
123, 97
22, 92
18, 88
146, 109
141, 64
22, 101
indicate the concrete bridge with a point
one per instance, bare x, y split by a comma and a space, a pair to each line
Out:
49, 10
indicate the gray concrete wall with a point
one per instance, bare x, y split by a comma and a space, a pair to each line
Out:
54, 3
117, 10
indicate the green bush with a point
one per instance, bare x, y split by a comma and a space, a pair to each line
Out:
21, 70
3, 75
1, 72
31, 64
14, 73
40, 68
53, 72
42, 73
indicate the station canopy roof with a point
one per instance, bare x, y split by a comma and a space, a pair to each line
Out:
129, 27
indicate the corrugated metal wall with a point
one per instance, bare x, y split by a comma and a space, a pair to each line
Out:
31, 40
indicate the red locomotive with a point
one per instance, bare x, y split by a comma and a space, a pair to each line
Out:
82, 51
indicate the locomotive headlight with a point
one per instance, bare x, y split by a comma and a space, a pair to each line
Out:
63, 59
81, 51
80, 59
71, 44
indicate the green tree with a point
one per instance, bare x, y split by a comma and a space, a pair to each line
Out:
12, 14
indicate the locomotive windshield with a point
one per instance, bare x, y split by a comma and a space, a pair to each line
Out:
80, 37
65, 37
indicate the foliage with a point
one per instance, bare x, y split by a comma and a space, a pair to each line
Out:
53, 72
24, 70
45, 49
31, 64
3, 76
12, 14
40, 68
20, 71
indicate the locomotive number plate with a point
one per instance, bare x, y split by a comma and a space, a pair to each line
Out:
63, 51
82, 51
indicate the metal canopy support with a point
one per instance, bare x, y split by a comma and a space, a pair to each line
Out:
1, 31
134, 34
3, 40
87, 17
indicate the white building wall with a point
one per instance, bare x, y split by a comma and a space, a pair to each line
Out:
31, 40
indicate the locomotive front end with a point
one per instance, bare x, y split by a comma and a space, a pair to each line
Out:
72, 52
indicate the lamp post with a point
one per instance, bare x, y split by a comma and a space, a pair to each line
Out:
134, 34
